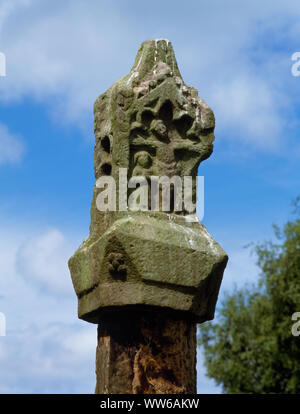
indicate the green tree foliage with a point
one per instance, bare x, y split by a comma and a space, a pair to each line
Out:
250, 348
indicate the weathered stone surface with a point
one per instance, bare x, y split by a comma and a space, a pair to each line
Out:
156, 260
145, 353
152, 124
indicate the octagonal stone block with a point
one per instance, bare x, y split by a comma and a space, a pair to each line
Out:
145, 260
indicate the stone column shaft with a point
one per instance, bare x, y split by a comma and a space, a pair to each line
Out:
146, 352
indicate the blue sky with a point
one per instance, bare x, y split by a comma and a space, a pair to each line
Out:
59, 57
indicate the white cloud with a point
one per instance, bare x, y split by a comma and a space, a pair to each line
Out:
69, 55
45, 343
37, 359
11, 146
8, 6
245, 108
43, 259
83, 342
29, 293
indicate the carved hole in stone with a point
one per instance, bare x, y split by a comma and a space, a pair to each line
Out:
166, 113
138, 133
105, 142
137, 148
147, 117
133, 117
194, 137
183, 124
106, 168
181, 154
185, 154
207, 131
